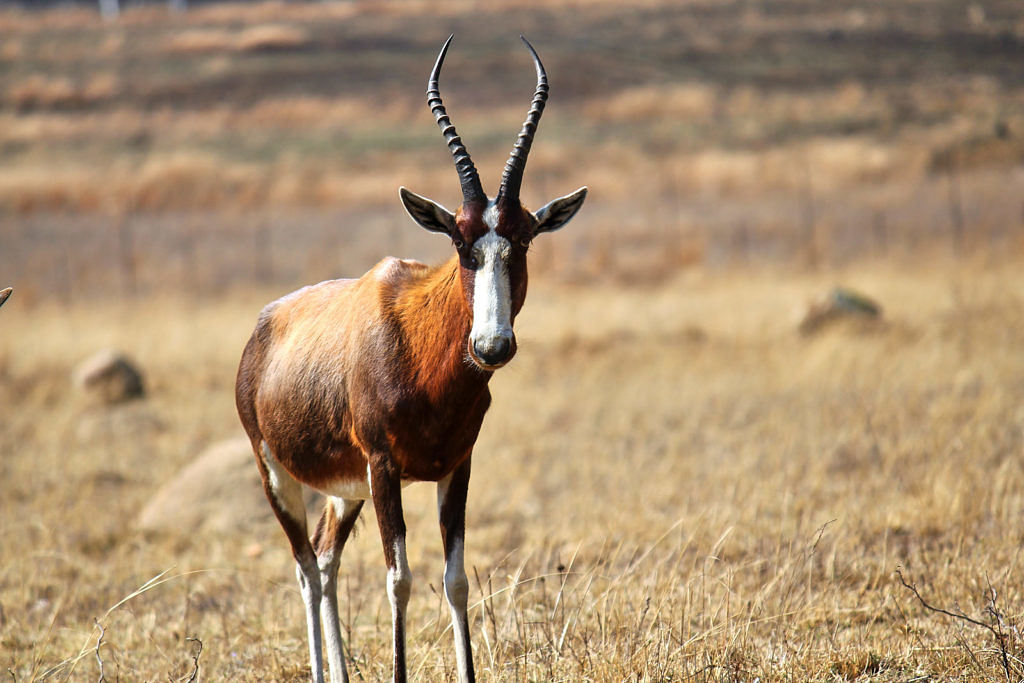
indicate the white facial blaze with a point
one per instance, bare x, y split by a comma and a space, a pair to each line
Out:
492, 293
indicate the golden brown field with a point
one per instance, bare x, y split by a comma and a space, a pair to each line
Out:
672, 483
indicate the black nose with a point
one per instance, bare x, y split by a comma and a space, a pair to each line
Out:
493, 353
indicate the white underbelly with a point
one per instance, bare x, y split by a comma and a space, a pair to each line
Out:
351, 489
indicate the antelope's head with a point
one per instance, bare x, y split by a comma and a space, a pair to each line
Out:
491, 236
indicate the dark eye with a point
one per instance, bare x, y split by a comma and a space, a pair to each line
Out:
459, 244
525, 242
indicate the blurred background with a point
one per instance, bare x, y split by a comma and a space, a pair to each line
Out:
774, 358
236, 143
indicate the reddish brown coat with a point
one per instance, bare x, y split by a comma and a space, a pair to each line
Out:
346, 368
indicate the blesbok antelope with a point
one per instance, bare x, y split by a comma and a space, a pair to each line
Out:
357, 388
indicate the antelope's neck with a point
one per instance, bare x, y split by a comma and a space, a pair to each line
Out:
435, 319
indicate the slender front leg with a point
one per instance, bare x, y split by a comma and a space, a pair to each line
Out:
333, 530
451, 511
386, 490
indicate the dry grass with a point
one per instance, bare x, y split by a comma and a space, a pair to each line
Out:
260, 38
38, 91
671, 484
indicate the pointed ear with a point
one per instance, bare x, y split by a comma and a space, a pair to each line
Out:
558, 212
4, 293
427, 212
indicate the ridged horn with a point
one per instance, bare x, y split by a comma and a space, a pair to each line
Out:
472, 190
512, 179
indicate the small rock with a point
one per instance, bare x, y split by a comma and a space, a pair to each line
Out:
109, 377
840, 304
219, 491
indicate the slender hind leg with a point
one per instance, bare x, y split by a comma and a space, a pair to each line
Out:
332, 531
285, 496
451, 512
386, 490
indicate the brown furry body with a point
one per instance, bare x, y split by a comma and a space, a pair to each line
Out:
406, 386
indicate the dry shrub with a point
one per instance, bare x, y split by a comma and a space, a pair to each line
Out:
822, 164
101, 86
120, 123
681, 100
632, 176
825, 163
855, 161
315, 185
41, 91
42, 126
190, 180
273, 11
324, 112
292, 111
195, 41
194, 180
271, 37
848, 101
61, 18
276, 11
35, 189
261, 38
185, 180
724, 170
114, 124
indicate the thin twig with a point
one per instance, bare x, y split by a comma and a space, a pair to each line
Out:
157, 580
956, 615
821, 532
992, 610
99, 643
997, 618
195, 660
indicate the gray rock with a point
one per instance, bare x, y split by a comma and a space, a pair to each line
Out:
220, 491
840, 304
109, 377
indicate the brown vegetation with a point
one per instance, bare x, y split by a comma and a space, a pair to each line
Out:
695, 490
673, 483
261, 38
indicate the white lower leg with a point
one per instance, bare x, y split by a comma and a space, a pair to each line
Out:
346, 512
309, 585
456, 590
399, 589
399, 580
332, 629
